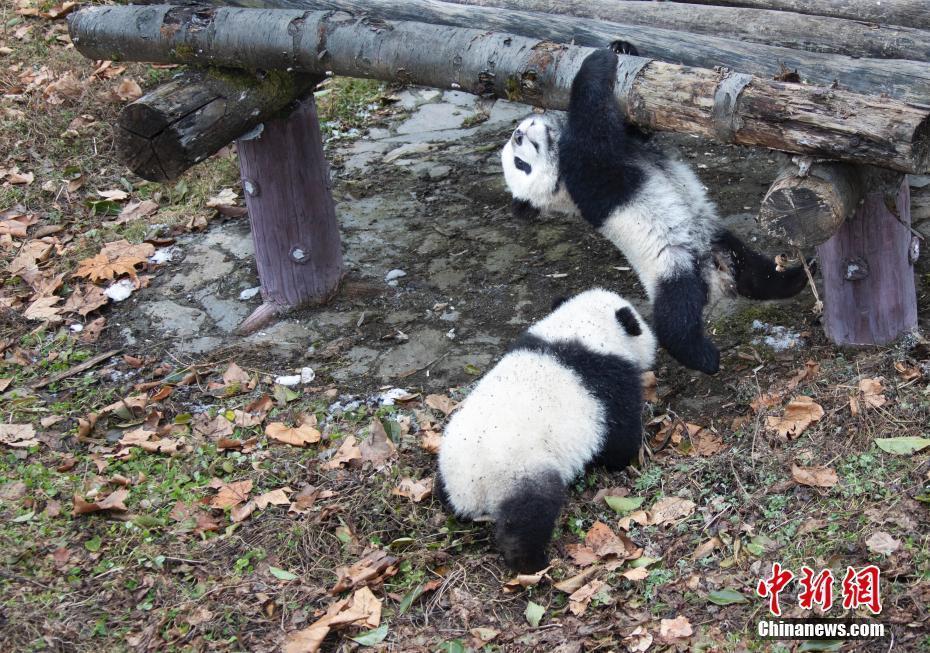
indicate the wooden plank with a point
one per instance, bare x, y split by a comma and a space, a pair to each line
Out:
868, 273
785, 29
912, 13
716, 104
286, 182
904, 80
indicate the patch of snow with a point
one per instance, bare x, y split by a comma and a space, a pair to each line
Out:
76, 328
777, 338
307, 375
164, 255
392, 276
249, 293
450, 334
287, 380
120, 290
388, 398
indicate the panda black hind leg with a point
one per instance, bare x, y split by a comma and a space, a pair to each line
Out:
677, 316
526, 519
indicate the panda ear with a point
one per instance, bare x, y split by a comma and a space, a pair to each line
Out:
558, 301
523, 210
628, 321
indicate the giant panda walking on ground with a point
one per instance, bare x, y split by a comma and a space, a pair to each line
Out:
646, 202
567, 393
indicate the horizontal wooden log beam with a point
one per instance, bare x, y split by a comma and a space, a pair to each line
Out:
183, 122
716, 104
804, 208
911, 13
785, 29
904, 80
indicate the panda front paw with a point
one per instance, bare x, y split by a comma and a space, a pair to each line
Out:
623, 47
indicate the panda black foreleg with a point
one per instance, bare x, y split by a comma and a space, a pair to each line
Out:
677, 315
757, 276
526, 519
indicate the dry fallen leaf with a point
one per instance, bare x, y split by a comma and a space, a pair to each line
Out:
136, 211
810, 370
907, 372
605, 543
224, 197
18, 435
883, 543
348, 453
416, 491
377, 449
522, 581
441, 403
801, 412
705, 549
211, 427
578, 602
128, 90
299, 436
430, 441
116, 258
114, 501
372, 570
677, 628
84, 299
765, 400
706, 443
230, 494
274, 498
142, 438
638, 641
363, 609
870, 391
571, 585
816, 476
670, 510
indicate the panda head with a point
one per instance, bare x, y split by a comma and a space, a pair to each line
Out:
531, 164
604, 322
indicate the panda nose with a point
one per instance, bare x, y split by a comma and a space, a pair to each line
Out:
518, 137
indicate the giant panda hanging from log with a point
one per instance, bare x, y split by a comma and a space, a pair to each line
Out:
643, 199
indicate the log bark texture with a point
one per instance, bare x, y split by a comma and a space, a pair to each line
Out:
785, 29
912, 13
717, 104
181, 123
286, 182
868, 275
806, 208
905, 80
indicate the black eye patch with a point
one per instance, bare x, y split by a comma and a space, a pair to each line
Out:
522, 165
628, 321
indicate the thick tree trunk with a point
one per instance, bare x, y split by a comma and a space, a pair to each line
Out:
717, 104
912, 13
782, 28
286, 182
904, 80
181, 123
868, 273
805, 208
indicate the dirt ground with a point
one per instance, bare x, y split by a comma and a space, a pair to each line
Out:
181, 494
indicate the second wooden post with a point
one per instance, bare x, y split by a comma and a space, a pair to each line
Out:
285, 179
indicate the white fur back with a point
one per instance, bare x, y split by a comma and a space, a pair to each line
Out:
666, 223
528, 414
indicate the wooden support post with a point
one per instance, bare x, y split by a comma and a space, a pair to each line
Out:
868, 271
285, 179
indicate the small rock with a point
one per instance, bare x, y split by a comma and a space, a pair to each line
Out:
438, 172
249, 293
